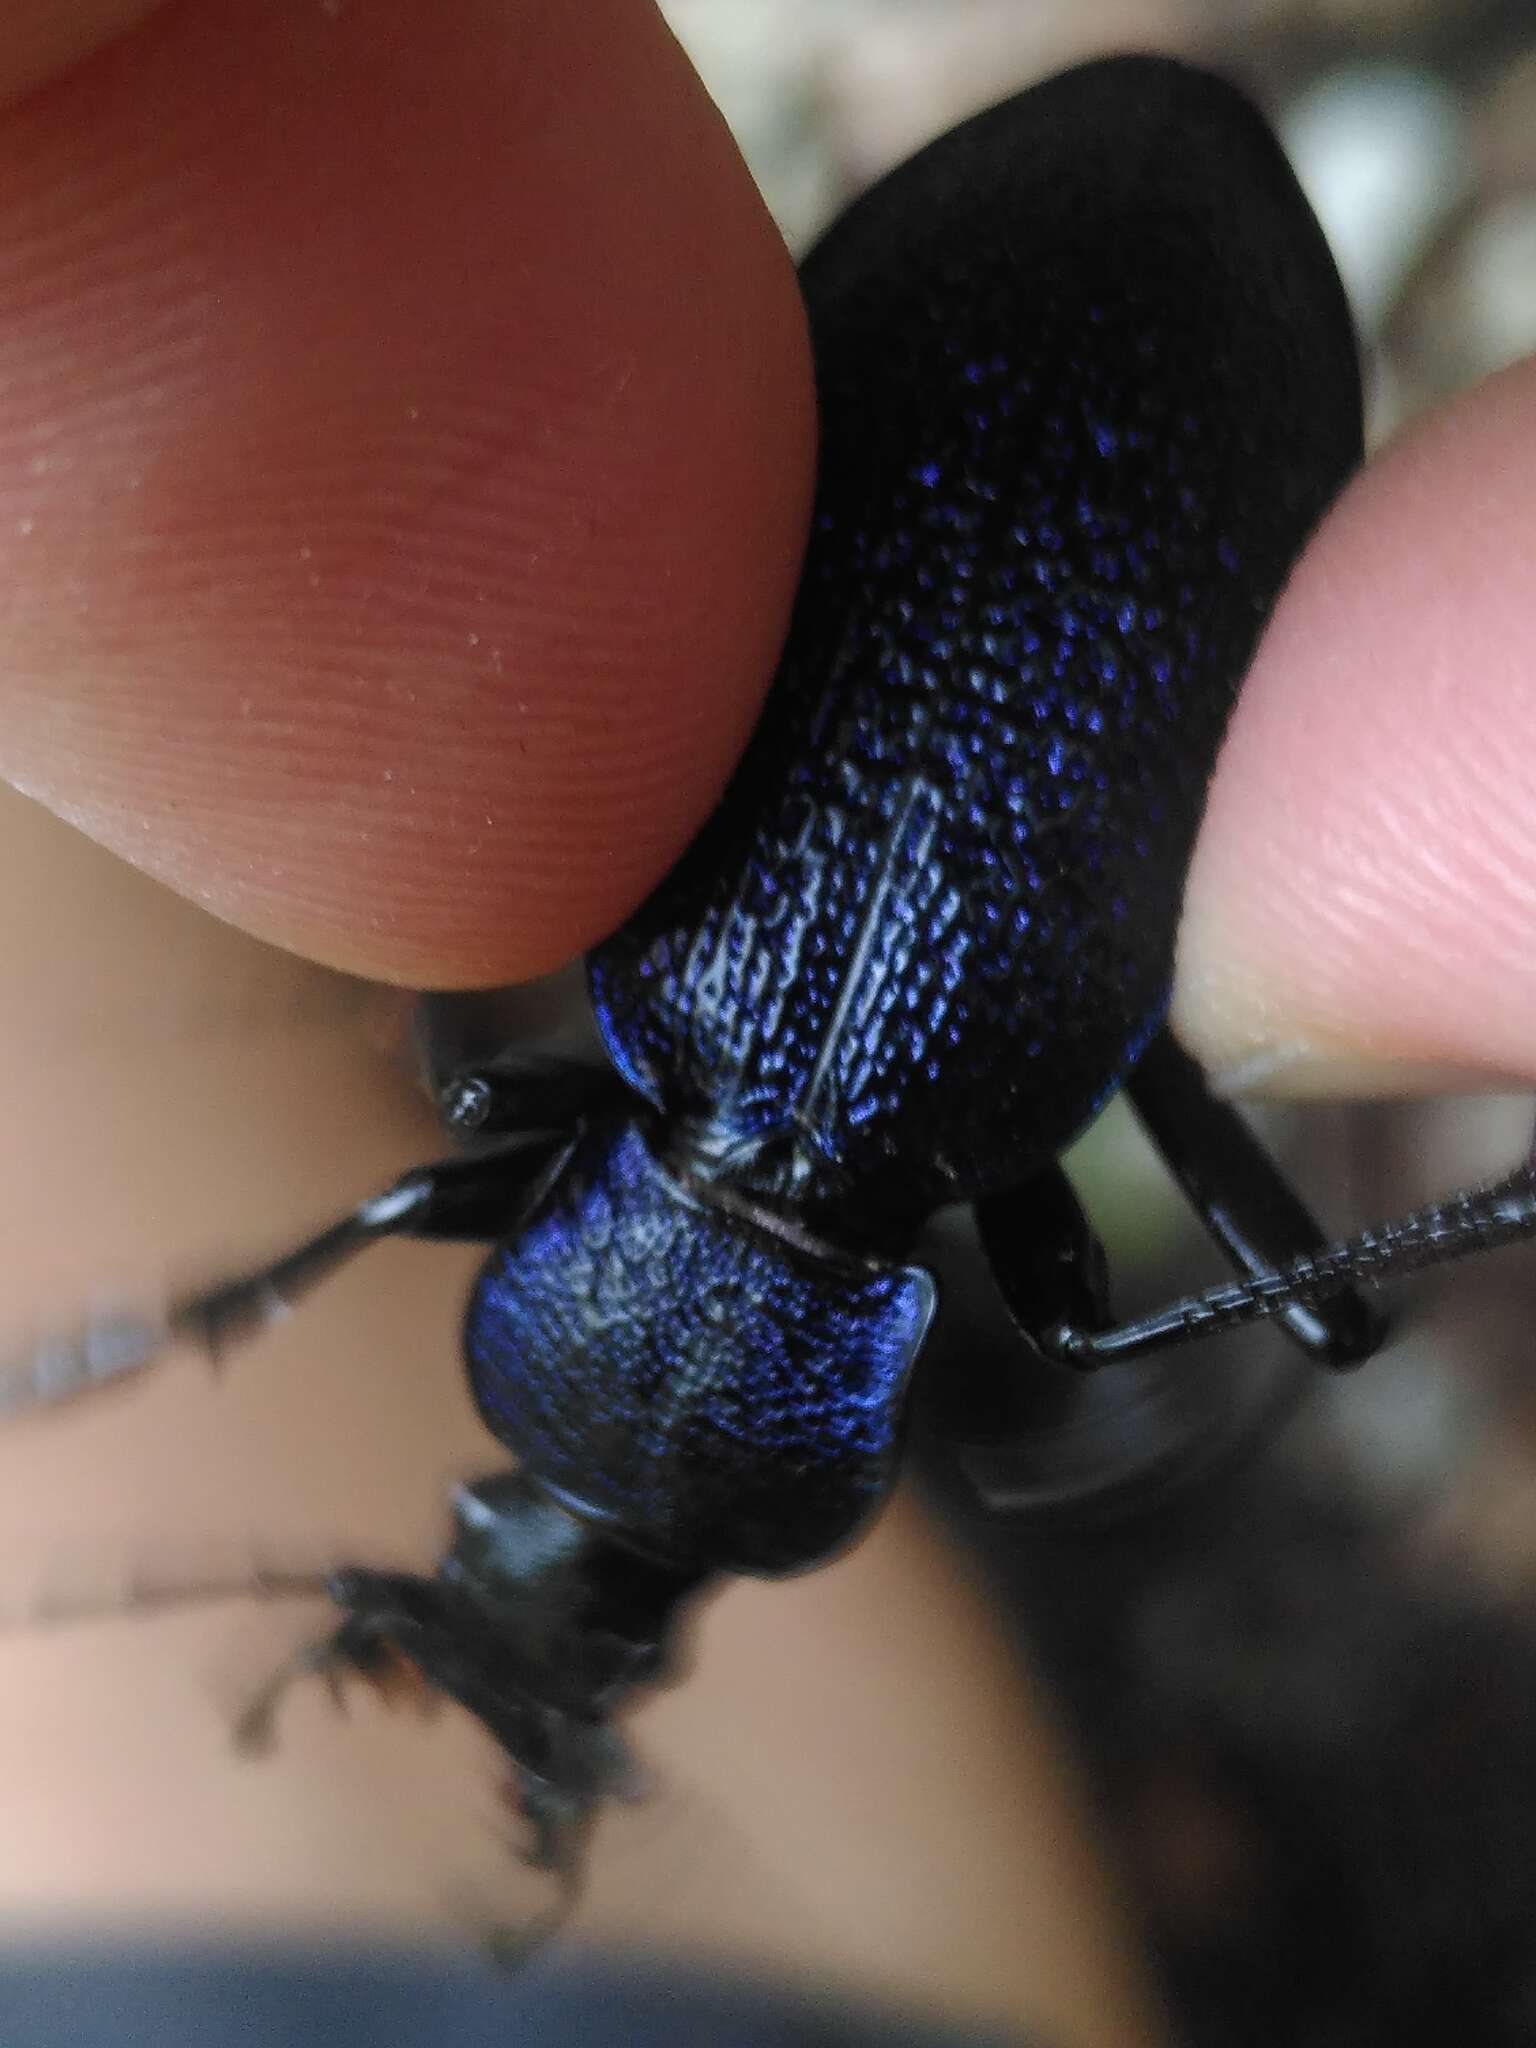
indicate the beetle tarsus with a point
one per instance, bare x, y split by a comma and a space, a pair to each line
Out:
1479, 1220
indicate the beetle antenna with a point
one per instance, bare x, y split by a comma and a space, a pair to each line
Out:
108, 1347
156, 1596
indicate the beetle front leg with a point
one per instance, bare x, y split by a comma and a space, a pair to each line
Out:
477, 1198
480, 1089
511, 1094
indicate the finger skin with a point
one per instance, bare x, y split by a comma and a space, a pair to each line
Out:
405, 444
39, 38
1361, 911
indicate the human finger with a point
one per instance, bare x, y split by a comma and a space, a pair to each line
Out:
405, 440
1361, 912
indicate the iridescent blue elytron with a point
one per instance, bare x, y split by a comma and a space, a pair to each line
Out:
1087, 380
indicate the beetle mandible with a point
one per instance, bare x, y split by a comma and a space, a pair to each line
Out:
1087, 381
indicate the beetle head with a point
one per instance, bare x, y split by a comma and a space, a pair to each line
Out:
538, 1625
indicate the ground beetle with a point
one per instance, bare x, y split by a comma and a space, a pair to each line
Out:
1087, 381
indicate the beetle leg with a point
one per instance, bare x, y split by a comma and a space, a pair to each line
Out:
1480, 1220
1050, 1442
329, 1659
1243, 1199
1046, 1259
512, 1094
477, 1197
481, 1089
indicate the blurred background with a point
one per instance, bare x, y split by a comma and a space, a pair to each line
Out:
1289, 1617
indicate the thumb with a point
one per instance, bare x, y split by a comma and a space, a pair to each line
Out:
1361, 914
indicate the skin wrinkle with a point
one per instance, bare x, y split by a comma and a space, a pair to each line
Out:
43, 37
412, 465
1365, 887
1400, 873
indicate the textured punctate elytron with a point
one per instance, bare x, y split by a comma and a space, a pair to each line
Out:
1081, 400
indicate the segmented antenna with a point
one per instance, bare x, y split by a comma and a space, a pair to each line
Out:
108, 1348
157, 1595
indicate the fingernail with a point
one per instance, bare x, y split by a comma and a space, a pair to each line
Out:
1301, 1069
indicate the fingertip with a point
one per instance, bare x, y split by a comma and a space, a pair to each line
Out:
39, 39
1361, 911
399, 570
